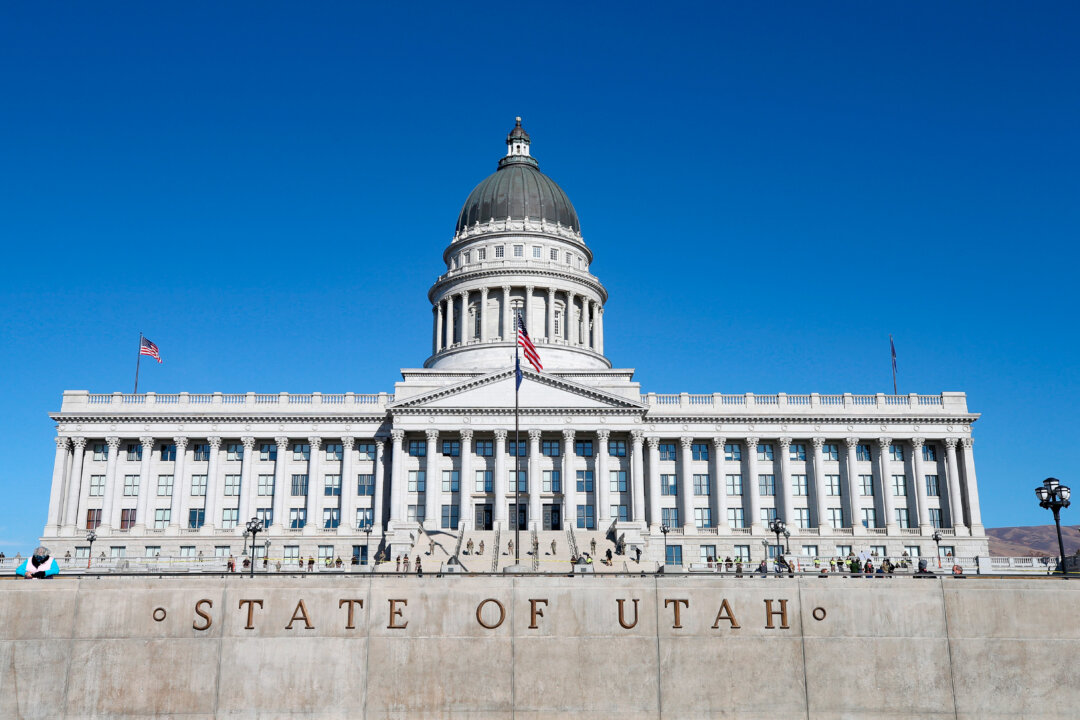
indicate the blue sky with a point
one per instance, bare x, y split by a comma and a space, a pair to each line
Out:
770, 190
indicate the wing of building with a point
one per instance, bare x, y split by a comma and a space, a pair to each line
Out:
681, 476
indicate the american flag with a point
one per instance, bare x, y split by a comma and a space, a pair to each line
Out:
148, 348
527, 347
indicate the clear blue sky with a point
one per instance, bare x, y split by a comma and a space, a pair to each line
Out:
265, 190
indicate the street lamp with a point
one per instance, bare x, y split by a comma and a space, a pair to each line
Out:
244, 545
665, 530
779, 527
367, 543
254, 525
1055, 496
937, 544
266, 556
787, 541
90, 538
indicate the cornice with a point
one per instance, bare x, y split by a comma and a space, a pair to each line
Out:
440, 286
202, 417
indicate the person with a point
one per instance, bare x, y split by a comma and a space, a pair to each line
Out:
67, 557
200, 556
957, 570
310, 564
329, 561
397, 564
607, 557
247, 563
922, 571
592, 546
510, 548
232, 564
39, 566
763, 568
868, 568
469, 547
338, 563
637, 553
481, 548
553, 546
727, 564
419, 570
277, 565
621, 545
588, 559
738, 567
355, 559
832, 565
430, 546
405, 564
2, 557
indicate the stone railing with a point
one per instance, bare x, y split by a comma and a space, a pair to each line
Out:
946, 403
76, 400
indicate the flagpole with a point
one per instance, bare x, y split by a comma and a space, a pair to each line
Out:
138, 359
517, 449
892, 350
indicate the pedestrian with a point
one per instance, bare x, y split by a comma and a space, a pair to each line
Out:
553, 551
310, 564
338, 563
2, 558
469, 547
39, 566
397, 564
592, 546
405, 565
637, 554
200, 556
419, 570
510, 548
763, 568
727, 564
481, 548
607, 557
247, 563
67, 557
232, 564
738, 567
431, 546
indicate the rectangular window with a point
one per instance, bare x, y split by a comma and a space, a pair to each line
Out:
797, 451
843, 550
127, 519
299, 485
669, 485
553, 255
301, 451
667, 451
703, 518
899, 485
466, 257
131, 485
798, 485
932, 486
134, 451
523, 480
164, 485
902, 518
196, 518
481, 254
187, 551
484, 448
550, 448
912, 551
869, 518
267, 451
265, 516
483, 481
810, 550
699, 451
767, 516
500, 251
334, 451
326, 555
708, 553
584, 481
417, 481
291, 553
161, 518
266, 485
702, 485
735, 517
831, 451
946, 551
618, 480
415, 513
552, 482
201, 452
418, 448
832, 485
862, 452
117, 552
536, 252
617, 448
836, 518
101, 451
929, 453
451, 481
331, 485
516, 449
734, 484
766, 485
674, 555
764, 451
896, 451
331, 518
620, 513
366, 450
97, 486
742, 553
569, 259
451, 448
229, 517
449, 517
297, 518
935, 518
232, 485
802, 517
732, 451
364, 518
234, 451
519, 251
168, 452
670, 517
583, 448
866, 485
878, 550
365, 484
93, 519
586, 519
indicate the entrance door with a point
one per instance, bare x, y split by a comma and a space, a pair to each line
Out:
522, 515
483, 517
552, 517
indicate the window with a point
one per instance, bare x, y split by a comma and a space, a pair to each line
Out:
878, 550
843, 550
810, 550
201, 452
366, 450
553, 255
267, 451
234, 451
583, 448
291, 554
766, 485
161, 518
798, 485
862, 452
331, 485
466, 257
222, 551
164, 485
417, 481
500, 251
669, 485
670, 517
229, 517
946, 551
93, 519
131, 485
899, 485
365, 484
552, 482
297, 518
331, 518
586, 520
101, 451
334, 451
935, 518
418, 448
232, 485
523, 480
617, 448
734, 484
708, 553
301, 451
550, 448
832, 485
483, 481
618, 480
932, 486
869, 518
802, 517
569, 259
703, 517
767, 516
415, 513
187, 551
299, 485
701, 485
196, 518
536, 252
699, 451
742, 553
620, 513
764, 451
481, 255
667, 451
584, 482
449, 517
797, 452
198, 485
451, 448
127, 519
97, 485
266, 485
866, 485
896, 451
519, 251
134, 451
364, 518
929, 453
735, 517
732, 451
831, 451
902, 518
265, 516
484, 448
326, 552
451, 482
912, 551
674, 555
836, 517
168, 452
516, 449
558, 323
117, 552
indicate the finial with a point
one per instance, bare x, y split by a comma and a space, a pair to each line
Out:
518, 119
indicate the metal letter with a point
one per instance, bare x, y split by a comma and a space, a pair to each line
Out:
301, 608
349, 625
769, 612
251, 612
535, 612
395, 612
622, 621
480, 607
678, 618
205, 616
730, 616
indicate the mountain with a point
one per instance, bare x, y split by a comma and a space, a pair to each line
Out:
1032, 540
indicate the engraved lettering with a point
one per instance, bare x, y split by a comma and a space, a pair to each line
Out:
769, 613
251, 612
622, 618
676, 602
352, 604
535, 612
395, 612
480, 617
203, 615
298, 613
725, 613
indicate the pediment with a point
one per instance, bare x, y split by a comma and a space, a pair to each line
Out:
537, 391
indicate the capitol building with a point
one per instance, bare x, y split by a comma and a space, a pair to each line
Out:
434, 465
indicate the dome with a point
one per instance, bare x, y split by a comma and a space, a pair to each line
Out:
519, 191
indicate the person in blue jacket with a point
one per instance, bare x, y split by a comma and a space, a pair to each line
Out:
40, 566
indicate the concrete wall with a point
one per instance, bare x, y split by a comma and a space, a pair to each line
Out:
895, 648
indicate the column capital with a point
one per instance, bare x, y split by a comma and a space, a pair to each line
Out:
500, 435
530, 288
638, 436
818, 442
967, 442
181, 442
534, 434
147, 442
114, 442
347, 442
214, 442
315, 442
483, 292
751, 443
950, 442
506, 289
568, 435
603, 435
78, 442
917, 442
719, 442
397, 435
653, 441
884, 442
62, 443
466, 436
785, 442
432, 435
551, 292
851, 442
282, 442
249, 443
686, 441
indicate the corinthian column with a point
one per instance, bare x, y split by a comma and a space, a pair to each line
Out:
549, 332
379, 469
314, 488
466, 329
449, 321
212, 514
886, 484
569, 479
920, 482
501, 479
483, 314
113, 488
529, 307
74, 486
281, 483
437, 345
637, 476
854, 506
397, 479
433, 484
783, 490
719, 484
600, 331
142, 507
571, 325
507, 328
819, 486
348, 496
535, 511
956, 508
751, 488
247, 492
974, 513
603, 482
686, 485
465, 481
56, 491
176, 503
655, 515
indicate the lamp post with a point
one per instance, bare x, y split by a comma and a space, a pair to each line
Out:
665, 530
266, 555
243, 551
787, 541
1055, 496
937, 544
254, 525
367, 543
779, 527
90, 538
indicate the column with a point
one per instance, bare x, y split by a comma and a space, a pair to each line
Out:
920, 483
686, 486
483, 314
449, 321
282, 485
379, 471
56, 491
974, 517
851, 488
719, 485
74, 485
569, 479
177, 509
886, 485
600, 331
212, 505
818, 488
465, 481
603, 482
655, 516
438, 327
637, 477
535, 483
956, 508
529, 311
113, 489
314, 489
466, 328
549, 331
397, 478
586, 318
507, 329
348, 483
246, 506
571, 326
142, 505
783, 490
501, 478
433, 482
594, 311
750, 487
